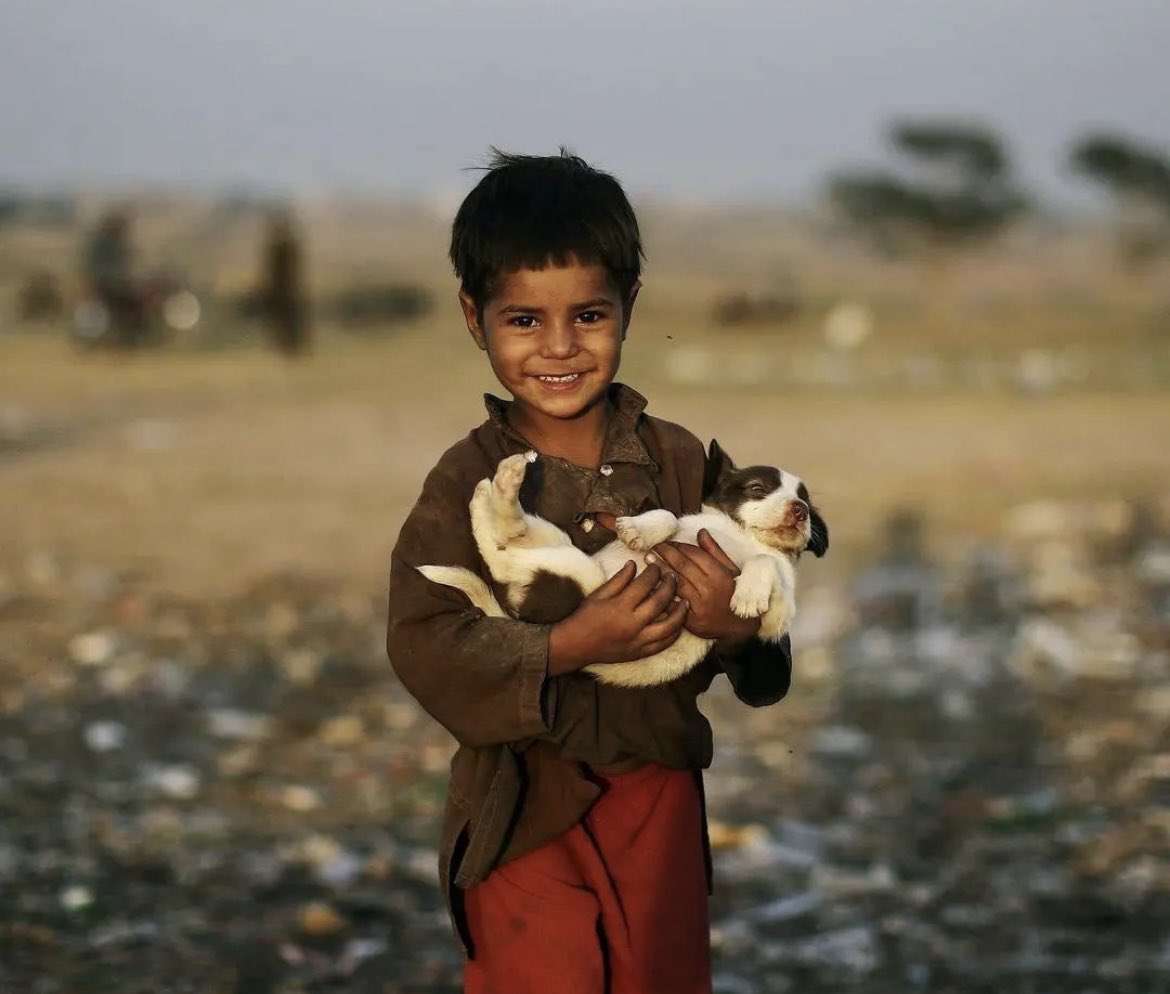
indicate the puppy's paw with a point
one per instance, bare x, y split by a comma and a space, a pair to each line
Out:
481, 498
509, 476
644, 531
753, 591
631, 535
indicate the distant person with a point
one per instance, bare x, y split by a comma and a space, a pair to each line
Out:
282, 287
108, 272
574, 849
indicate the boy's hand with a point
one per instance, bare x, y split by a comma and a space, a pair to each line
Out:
626, 618
706, 579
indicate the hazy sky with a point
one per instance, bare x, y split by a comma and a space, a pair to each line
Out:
728, 100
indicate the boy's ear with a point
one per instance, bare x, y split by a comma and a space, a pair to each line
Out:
718, 465
628, 307
471, 314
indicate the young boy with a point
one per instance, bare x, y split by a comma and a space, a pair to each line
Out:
574, 848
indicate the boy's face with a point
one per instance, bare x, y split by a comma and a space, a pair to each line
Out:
553, 336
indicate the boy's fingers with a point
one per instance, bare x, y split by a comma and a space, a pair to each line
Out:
687, 590
618, 582
677, 558
691, 579
667, 629
713, 548
636, 590
657, 600
704, 563
669, 607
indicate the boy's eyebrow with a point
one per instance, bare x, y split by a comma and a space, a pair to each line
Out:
585, 305
595, 302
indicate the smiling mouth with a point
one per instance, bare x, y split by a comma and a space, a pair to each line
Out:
561, 380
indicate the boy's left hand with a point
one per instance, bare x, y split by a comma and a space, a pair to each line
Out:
706, 579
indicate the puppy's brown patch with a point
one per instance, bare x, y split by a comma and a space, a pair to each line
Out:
549, 599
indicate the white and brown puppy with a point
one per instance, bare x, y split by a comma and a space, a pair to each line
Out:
760, 516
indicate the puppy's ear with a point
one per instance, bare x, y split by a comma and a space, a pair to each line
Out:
818, 540
718, 465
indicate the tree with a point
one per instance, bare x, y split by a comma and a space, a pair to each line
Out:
955, 190
1138, 178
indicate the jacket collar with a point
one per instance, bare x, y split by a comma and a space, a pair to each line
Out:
622, 442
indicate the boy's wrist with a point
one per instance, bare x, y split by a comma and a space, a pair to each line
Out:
564, 655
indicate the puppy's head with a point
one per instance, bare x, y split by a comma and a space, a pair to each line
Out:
771, 504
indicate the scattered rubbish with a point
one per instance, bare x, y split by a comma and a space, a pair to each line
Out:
974, 795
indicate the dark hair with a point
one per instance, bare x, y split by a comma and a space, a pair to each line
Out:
532, 211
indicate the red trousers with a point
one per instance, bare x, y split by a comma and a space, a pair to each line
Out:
616, 905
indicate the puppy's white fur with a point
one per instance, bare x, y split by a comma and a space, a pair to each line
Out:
517, 546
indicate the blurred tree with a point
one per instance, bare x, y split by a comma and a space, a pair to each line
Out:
956, 190
1138, 178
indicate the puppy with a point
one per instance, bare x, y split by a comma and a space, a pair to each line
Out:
761, 517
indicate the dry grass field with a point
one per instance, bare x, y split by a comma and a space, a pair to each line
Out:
203, 469
200, 467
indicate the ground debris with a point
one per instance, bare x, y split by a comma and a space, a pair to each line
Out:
969, 792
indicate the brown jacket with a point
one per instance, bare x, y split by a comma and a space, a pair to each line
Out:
517, 779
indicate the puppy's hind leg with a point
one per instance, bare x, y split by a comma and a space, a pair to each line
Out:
513, 544
502, 514
500, 500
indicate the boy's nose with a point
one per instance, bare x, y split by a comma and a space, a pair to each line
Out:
560, 341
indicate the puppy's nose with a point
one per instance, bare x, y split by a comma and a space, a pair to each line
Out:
799, 510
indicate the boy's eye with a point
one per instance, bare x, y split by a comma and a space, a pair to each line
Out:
523, 321
590, 317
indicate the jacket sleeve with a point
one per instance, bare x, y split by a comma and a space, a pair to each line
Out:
482, 678
760, 672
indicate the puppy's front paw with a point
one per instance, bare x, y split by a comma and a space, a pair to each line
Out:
631, 535
753, 591
643, 531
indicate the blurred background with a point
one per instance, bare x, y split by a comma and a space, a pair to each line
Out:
916, 252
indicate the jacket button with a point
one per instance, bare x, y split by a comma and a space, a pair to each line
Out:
606, 469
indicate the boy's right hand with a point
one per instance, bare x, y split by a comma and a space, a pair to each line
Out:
628, 617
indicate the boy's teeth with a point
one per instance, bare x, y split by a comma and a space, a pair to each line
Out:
559, 379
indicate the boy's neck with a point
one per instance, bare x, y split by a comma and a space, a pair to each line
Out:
579, 440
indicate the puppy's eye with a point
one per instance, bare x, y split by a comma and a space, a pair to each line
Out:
757, 490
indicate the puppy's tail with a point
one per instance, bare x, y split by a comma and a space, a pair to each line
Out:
477, 591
